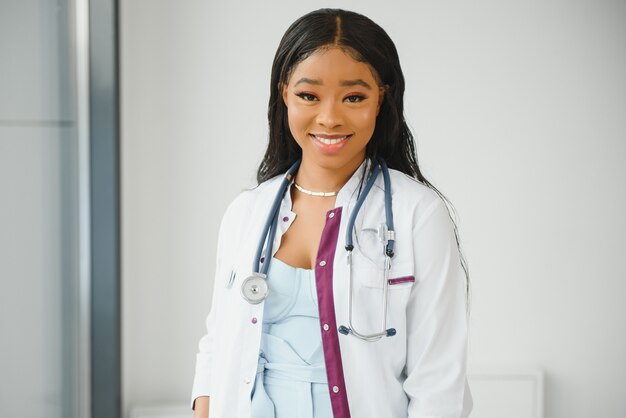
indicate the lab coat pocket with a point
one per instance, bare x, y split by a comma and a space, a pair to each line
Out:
369, 263
367, 275
369, 296
368, 259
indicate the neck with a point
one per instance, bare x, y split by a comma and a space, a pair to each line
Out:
317, 178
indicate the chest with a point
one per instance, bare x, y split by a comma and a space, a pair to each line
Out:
300, 243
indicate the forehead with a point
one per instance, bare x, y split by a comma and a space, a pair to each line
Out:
331, 65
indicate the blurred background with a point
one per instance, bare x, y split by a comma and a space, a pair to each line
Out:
127, 127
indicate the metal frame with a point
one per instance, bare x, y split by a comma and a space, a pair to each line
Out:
104, 174
80, 10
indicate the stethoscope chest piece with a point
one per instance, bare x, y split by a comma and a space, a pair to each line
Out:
254, 289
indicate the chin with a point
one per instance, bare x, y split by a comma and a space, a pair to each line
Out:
337, 162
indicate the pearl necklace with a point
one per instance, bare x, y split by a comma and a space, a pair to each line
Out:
310, 193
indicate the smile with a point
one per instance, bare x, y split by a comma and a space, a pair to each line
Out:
330, 139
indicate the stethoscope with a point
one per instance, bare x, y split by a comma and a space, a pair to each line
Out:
254, 289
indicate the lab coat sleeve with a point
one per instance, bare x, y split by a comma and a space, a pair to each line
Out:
202, 378
437, 321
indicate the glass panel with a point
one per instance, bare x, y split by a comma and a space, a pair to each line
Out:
39, 212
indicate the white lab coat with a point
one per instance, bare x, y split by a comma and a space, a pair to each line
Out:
419, 372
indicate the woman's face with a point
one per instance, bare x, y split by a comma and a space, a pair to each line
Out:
332, 103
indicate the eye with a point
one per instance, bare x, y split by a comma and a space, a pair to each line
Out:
355, 98
307, 97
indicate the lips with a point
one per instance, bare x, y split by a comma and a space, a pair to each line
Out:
330, 139
329, 143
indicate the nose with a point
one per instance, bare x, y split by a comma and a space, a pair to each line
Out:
329, 114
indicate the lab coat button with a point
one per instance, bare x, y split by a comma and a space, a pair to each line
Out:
331, 215
254, 320
286, 218
247, 380
326, 327
335, 389
322, 263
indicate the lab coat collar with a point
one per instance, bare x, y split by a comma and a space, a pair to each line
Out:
352, 185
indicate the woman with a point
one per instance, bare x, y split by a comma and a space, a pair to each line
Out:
375, 327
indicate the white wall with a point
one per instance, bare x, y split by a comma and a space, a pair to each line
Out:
519, 109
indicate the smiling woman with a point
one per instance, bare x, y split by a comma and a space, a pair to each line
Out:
332, 107
282, 339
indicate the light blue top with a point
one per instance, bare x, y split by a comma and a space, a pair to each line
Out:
291, 375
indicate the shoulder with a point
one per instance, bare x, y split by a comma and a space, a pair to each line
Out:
256, 198
427, 210
412, 195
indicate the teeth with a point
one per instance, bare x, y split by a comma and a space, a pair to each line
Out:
330, 141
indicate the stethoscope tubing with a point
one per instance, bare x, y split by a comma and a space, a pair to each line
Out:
272, 222
257, 283
388, 208
357, 207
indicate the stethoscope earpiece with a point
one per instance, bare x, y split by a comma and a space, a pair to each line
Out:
344, 330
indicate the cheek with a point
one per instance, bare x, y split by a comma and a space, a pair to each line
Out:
298, 119
295, 126
367, 119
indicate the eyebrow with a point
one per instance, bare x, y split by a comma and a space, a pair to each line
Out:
309, 81
344, 83
357, 82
